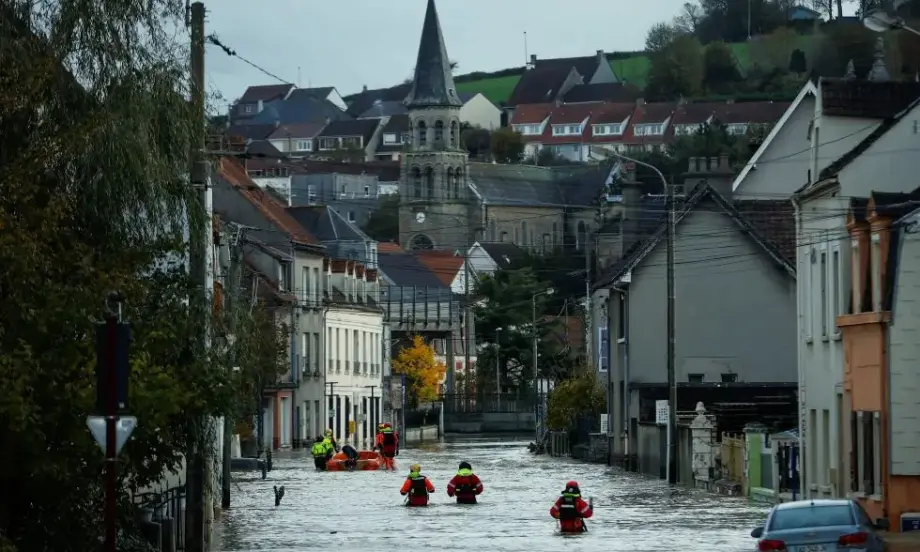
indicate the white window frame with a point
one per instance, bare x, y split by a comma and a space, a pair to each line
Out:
304, 145
324, 143
737, 128
390, 138
648, 129
247, 108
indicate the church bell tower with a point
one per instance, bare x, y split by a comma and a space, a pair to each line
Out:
433, 208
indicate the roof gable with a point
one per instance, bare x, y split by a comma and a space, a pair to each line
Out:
809, 88
540, 85
266, 92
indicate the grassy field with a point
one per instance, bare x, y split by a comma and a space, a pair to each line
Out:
633, 69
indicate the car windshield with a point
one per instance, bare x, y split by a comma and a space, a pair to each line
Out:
812, 516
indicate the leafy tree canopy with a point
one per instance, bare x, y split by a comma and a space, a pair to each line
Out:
424, 373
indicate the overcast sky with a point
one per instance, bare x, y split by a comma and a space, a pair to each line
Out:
350, 43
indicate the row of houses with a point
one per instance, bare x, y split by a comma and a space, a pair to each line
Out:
796, 294
590, 130
350, 303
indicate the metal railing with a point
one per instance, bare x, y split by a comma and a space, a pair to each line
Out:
458, 403
166, 508
364, 368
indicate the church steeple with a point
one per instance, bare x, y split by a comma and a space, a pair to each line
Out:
433, 85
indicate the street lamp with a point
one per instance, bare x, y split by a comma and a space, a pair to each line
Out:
498, 370
534, 336
880, 21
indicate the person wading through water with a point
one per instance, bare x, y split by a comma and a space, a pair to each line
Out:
417, 488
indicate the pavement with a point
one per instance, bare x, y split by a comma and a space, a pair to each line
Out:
903, 542
364, 511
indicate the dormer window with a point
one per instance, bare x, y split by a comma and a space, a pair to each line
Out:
615, 129
527, 130
567, 130
390, 138
247, 109
736, 128
686, 129
648, 129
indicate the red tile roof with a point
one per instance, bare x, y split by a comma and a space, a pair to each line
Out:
389, 247
443, 264
751, 112
234, 173
649, 114
694, 113
613, 113
531, 114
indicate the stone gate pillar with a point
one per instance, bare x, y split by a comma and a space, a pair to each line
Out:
701, 429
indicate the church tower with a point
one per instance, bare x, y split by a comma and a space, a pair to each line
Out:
433, 208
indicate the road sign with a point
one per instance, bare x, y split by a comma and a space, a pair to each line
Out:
124, 426
105, 349
661, 412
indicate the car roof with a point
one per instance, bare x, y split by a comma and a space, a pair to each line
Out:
812, 503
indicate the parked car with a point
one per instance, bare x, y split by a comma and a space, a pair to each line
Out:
820, 526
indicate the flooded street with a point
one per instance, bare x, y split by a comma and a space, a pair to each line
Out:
364, 511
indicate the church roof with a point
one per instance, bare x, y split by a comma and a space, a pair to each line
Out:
533, 186
433, 85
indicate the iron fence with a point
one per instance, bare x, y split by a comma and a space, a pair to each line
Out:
167, 509
481, 403
423, 417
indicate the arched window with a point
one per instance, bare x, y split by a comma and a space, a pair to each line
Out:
524, 234
581, 238
429, 183
416, 183
422, 133
421, 242
457, 182
439, 132
450, 178
454, 134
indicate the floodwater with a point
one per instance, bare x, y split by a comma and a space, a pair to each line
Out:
364, 511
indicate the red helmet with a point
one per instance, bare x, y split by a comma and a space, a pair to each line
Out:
571, 485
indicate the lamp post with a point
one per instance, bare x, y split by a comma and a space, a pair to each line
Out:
880, 21
498, 369
534, 336
331, 385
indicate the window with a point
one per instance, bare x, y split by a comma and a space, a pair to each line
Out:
284, 273
695, 378
621, 317
352, 142
527, 130
524, 232
422, 133
367, 191
307, 356
390, 138
808, 293
303, 145
247, 109
316, 285
326, 144
555, 234
567, 130
439, 132
351, 216
454, 134
547, 243
416, 183
824, 298
736, 128
729, 377
493, 230
581, 238
608, 130
648, 129
603, 361
812, 445
825, 445
306, 292
450, 180
429, 183
866, 469
836, 286
813, 516
855, 454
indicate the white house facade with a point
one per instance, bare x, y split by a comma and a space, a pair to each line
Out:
850, 157
479, 111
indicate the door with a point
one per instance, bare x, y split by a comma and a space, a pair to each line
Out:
285, 422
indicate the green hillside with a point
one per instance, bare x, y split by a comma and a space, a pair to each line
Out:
633, 69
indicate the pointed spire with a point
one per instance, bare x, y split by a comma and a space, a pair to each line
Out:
851, 71
879, 72
433, 85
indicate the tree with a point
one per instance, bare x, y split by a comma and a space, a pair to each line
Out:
689, 18
507, 146
476, 140
423, 372
383, 224
579, 396
676, 70
797, 62
720, 71
660, 36
772, 51
545, 157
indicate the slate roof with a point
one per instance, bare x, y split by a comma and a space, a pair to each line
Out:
500, 184
358, 127
433, 84
531, 114
398, 125
366, 98
263, 148
585, 65
250, 131
867, 99
303, 109
265, 92
602, 92
407, 271
505, 255
317, 92
770, 223
386, 171
326, 223
234, 175
540, 85
303, 131
895, 205
384, 109
445, 265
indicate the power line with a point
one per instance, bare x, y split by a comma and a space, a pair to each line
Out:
212, 39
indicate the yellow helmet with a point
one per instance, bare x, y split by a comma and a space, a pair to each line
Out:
328, 433
415, 468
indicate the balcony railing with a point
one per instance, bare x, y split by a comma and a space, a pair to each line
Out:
329, 365
364, 368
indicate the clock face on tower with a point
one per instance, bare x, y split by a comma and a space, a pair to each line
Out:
420, 217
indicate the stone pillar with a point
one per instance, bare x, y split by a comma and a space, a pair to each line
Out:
753, 457
701, 434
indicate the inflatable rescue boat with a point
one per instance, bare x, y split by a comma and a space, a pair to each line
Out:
367, 460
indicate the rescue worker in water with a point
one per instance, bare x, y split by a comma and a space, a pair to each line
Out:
465, 485
417, 488
320, 453
331, 446
571, 510
387, 443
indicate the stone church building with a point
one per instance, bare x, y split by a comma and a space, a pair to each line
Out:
448, 202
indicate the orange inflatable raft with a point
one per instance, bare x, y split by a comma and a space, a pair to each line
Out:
367, 460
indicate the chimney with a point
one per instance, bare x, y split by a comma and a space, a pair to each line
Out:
364, 88
259, 107
533, 60
601, 58
632, 202
714, 171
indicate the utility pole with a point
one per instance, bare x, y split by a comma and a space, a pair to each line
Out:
468, 315
331, 409
672, 376
198, 268
589, 245
231, 289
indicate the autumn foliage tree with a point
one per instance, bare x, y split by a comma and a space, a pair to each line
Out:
424, 373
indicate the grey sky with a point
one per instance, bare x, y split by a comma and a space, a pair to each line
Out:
349, 43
